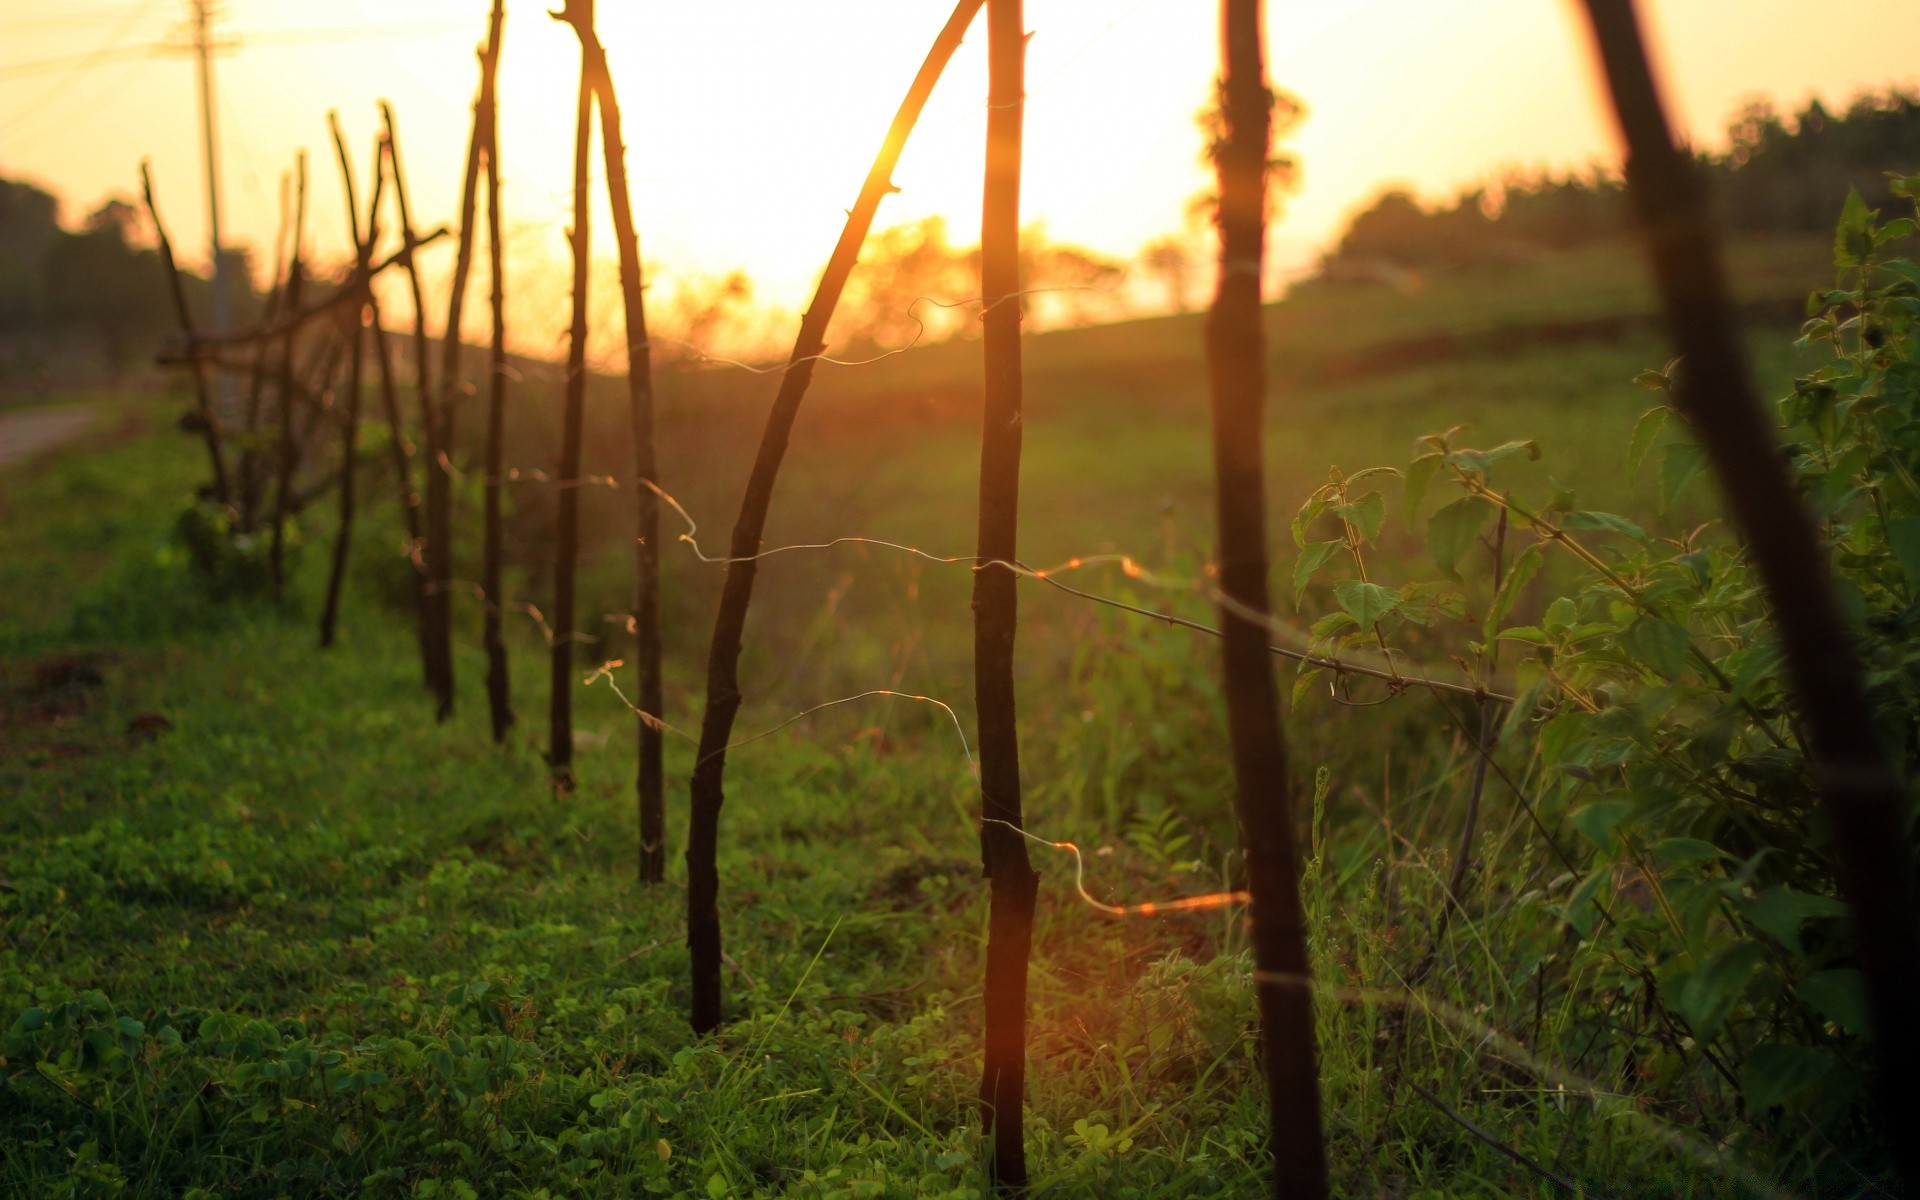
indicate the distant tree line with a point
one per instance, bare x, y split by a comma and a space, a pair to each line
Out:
91, 302
1779, 175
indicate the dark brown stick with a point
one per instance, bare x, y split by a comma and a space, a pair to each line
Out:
499, 700
203, 403
350, 418
567, 527
257, 370
400, 450
1003, 852
1236, 370
439, 633
708, 792
1864, 794
444, 413
289, 448
650, 800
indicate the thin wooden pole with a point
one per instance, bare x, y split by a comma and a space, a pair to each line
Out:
288, 444
649, 781
439, 652
1865, 798
1263, 801
567, 525
400, 450
493, 636
444, 413
1003, 851
708, 791
203, 403
350, 419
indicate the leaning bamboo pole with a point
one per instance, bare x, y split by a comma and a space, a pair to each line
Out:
707, 792
1865, 798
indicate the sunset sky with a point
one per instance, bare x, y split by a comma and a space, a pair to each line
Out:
751, 122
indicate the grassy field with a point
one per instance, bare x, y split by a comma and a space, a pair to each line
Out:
266, 930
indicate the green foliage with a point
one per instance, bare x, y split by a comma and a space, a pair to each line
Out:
1651, 713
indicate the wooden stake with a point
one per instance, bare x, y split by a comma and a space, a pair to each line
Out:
650, 800
567, 527
1263, 801
499, 702
723, 654
1003, 851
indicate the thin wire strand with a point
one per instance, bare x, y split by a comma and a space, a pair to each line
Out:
1149, 908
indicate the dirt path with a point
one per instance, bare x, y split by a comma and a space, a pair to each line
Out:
27, 433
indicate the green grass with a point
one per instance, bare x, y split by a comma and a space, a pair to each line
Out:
304, 941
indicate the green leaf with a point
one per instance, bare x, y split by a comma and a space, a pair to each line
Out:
1677, 850
1892, 231
717, 1186
1366, 515
1706, 996
1853, 240
1312, 559
1302, 684
1366, 603
1528, 447
1680, 462
1597, 820
1760, 660
1659, 643
1903, 538
1315, 505
1527, 634
1645, 430
1560, 615
1840, 996
1779, 910
1419, 475
1519, 574
1451, 531
1330, 624
1775, 1073
1653, 381
1610, 522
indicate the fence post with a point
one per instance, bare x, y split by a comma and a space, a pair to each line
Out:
1236, 370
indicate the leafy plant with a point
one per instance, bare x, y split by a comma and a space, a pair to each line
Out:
1649, 732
